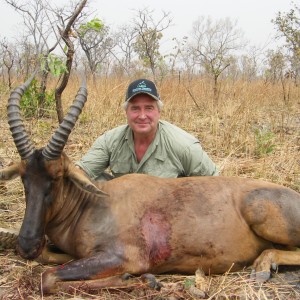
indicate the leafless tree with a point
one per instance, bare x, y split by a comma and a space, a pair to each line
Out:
213, 45
187, 60
65, 31
125, 38
276, 65
8, 57
178, 52
150, 32
45, 26
37, 25
97, 45
36, 33
251, 62
280, 70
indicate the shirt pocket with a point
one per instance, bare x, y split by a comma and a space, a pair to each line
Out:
162, 168
121, 165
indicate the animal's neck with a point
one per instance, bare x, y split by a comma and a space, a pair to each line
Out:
72, 204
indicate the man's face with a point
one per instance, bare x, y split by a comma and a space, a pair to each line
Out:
143, 114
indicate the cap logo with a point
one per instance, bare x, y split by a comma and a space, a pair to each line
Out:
142, 87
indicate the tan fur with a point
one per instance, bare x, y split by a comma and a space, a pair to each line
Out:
139, 224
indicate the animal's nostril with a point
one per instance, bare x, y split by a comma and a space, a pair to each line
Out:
29, 248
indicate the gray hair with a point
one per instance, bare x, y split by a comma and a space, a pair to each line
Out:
159, 105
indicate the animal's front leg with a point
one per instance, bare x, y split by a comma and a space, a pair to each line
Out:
75, 273
272, 258
50, 257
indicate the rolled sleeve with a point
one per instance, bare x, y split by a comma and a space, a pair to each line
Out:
96, 160
196, 162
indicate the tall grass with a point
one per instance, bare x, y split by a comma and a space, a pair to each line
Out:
254, 132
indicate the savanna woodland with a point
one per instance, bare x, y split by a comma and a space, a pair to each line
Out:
242, 102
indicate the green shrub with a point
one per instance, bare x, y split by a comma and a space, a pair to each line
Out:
31, 105
264, 141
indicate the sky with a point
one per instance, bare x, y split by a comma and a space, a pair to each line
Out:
253, 16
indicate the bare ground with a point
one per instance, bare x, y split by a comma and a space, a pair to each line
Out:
232, 145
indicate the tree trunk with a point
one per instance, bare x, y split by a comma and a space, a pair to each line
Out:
216, 93
70, 53
42, 93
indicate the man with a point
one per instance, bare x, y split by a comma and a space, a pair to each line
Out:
146, 144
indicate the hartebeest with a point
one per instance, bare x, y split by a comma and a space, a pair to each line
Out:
138, 223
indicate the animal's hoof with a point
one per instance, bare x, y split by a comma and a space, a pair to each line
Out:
261, 276
274, 266
126, 276
153, 283
48, 282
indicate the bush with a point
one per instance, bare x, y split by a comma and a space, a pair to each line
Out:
31, 103
264, 141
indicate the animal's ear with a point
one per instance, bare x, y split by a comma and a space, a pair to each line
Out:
80, 179
10, 172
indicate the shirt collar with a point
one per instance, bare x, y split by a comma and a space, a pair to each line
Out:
156, 144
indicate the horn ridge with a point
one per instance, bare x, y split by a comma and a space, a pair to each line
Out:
23, 143
58, 140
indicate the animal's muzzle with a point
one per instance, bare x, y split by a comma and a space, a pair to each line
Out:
30, 248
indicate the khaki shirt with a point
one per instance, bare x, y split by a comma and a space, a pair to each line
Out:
173, 153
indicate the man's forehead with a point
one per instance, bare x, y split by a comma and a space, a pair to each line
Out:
142, 99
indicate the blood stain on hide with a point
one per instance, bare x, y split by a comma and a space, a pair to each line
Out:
156, 230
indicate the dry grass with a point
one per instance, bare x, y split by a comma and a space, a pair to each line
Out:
250, 118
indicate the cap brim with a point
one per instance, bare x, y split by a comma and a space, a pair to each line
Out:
139, 93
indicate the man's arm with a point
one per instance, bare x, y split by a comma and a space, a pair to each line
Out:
196, 162
96, 160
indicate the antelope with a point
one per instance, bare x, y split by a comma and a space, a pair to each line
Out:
139, 224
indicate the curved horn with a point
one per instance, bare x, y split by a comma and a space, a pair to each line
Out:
59, 138
21, 139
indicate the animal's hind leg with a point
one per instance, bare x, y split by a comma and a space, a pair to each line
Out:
272, 258
274, 215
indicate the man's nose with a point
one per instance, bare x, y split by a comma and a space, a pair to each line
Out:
143, 114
